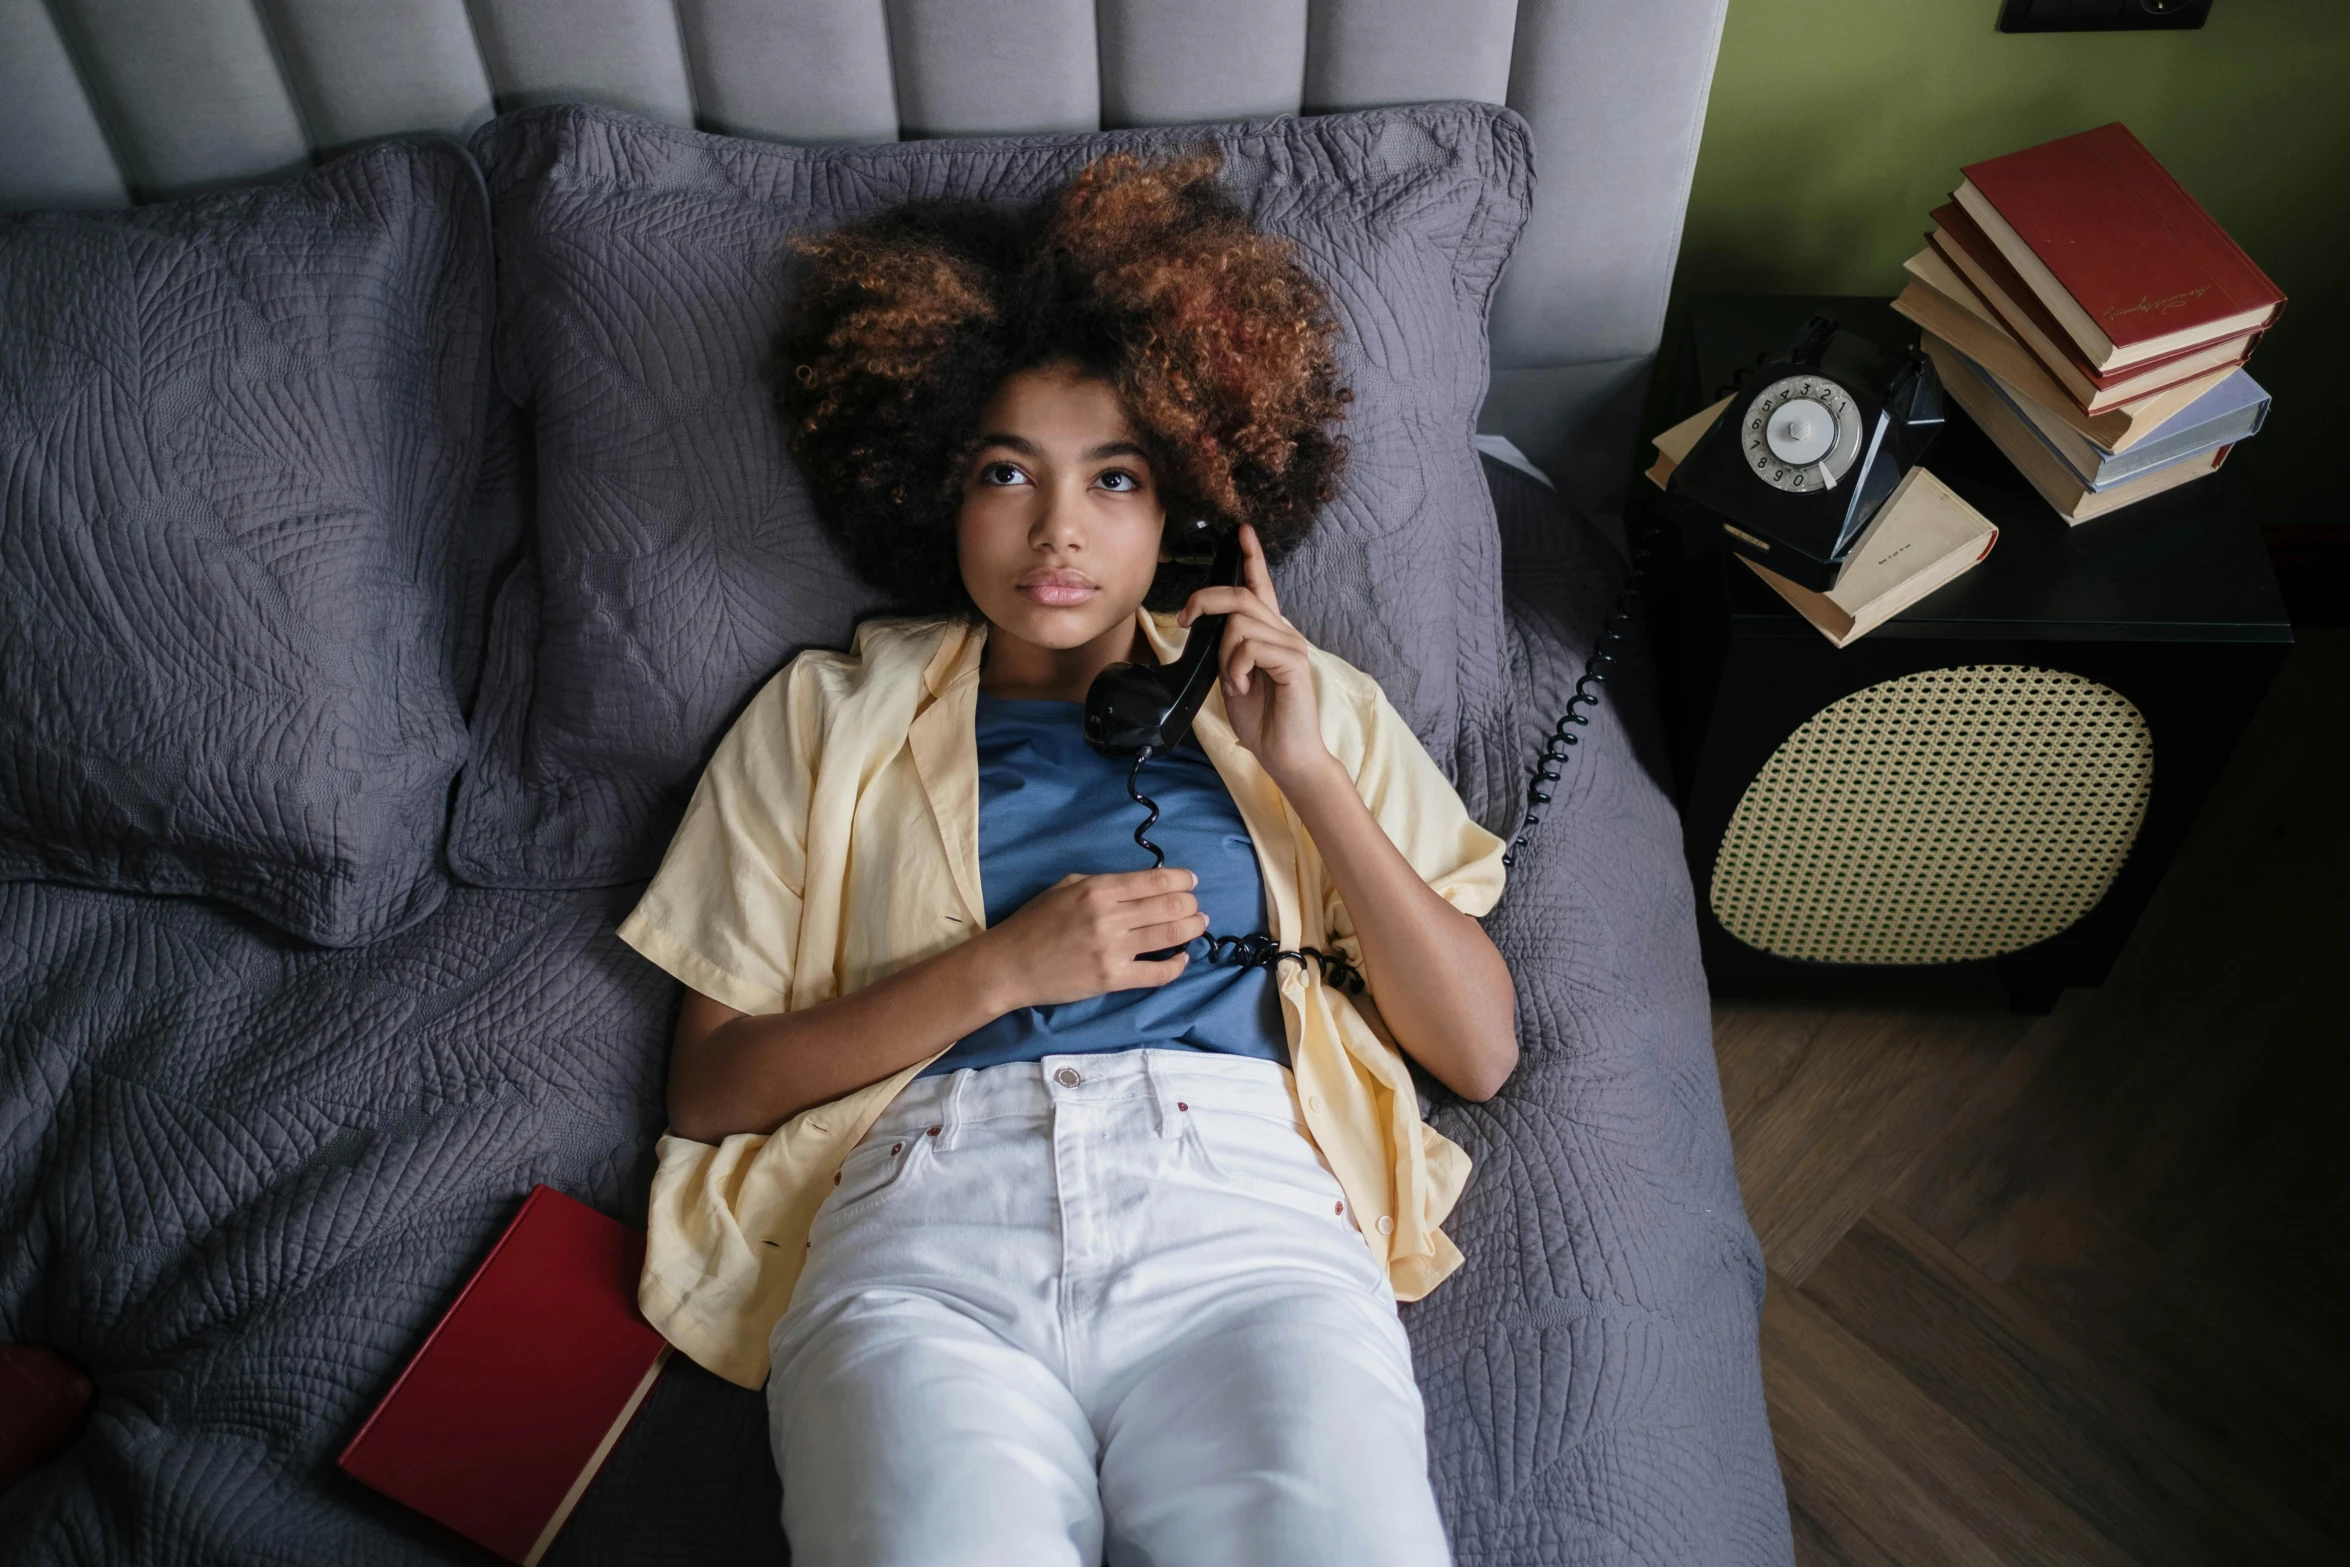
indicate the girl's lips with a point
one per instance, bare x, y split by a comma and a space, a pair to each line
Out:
1057, 589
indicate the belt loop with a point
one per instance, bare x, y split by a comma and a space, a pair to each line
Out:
1163, 1102
950, 1115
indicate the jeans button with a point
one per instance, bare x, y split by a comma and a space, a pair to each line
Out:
1068, 1077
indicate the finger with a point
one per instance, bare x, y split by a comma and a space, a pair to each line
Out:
1129, 885
1149, 976
1239, 656
1209, 601
1238, 603
1073, 876
1278, 651
1159, 910
1228, 601
1256, 572
1168, 933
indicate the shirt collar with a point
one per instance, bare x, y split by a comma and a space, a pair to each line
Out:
965, 640
958, 651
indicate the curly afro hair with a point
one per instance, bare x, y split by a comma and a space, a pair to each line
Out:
1144, 274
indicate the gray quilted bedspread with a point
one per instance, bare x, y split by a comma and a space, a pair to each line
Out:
240, 1178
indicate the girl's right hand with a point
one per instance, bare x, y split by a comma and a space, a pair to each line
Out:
1081, 937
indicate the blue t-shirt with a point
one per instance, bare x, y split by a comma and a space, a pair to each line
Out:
1050, 804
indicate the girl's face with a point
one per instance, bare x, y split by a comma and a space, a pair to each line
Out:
1061, 527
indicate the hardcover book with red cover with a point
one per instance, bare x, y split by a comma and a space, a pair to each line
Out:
518, 1396
1969, 249
2146, 269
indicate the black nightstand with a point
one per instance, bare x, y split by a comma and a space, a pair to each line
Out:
1985, 790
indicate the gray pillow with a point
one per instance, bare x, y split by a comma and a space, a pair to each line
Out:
642, 278
238, 436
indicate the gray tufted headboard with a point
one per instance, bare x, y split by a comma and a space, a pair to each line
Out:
104, 102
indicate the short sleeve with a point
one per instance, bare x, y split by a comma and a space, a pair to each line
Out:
1420, 811
722, 913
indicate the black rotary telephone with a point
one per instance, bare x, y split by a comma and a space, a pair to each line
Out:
1141, 710
1808, 450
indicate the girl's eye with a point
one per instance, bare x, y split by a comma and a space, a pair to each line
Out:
1001, 473
1118, 481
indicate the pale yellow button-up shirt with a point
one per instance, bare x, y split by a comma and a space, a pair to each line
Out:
834, 838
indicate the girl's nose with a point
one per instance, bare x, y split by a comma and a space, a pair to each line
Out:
1059, 520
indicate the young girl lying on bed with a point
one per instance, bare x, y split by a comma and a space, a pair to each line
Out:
1091, 1232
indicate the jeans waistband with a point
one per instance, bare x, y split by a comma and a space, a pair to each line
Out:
1167, 1080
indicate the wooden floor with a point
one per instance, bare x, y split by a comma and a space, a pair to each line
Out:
2077, 1288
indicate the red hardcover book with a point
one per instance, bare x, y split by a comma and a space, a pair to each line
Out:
2121, 255
519, 1394
1968, 248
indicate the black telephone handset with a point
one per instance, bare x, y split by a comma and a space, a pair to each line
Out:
1132, 709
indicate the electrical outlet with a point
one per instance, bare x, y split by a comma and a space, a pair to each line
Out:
2099, 16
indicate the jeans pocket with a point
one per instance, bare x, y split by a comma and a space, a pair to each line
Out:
1259, 1157
876, 1173
1274, 1162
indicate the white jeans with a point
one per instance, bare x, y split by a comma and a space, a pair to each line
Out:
1097, 1302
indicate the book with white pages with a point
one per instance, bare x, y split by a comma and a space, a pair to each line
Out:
1923, 537
2230, 412
2023, 445
1941, 301
1676, 444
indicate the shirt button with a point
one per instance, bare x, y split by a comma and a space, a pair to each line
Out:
1386, 1225
1314, 1103
1068, 1077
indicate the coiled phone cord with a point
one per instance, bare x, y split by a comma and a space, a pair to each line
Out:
1612, 631
1563, 736
1257, 950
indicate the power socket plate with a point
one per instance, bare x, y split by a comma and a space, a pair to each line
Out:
2101, 16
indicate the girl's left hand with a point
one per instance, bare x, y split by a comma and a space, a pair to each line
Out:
1268, 685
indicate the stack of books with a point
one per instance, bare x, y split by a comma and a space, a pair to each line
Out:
2093, 320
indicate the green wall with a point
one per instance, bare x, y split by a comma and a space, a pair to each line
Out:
1835, 125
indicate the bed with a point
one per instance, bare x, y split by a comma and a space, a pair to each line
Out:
287, 1029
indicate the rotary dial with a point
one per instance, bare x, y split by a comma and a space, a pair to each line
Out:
1801, 434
